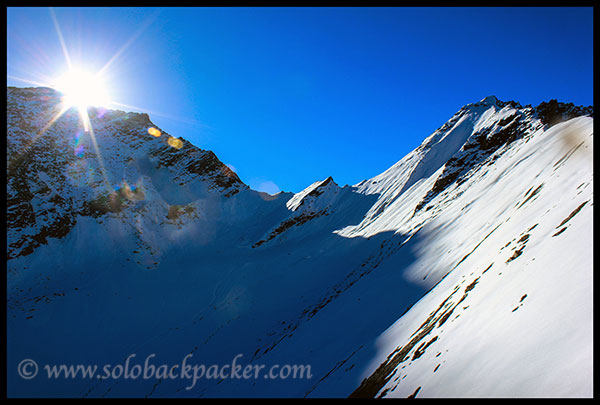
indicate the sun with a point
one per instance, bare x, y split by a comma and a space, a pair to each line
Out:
82, 89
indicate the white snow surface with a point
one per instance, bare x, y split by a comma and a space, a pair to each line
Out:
483, 287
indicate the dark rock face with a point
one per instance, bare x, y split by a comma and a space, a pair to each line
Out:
554, 112
210, 165
290, 222
511, 103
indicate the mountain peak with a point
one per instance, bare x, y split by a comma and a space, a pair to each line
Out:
485, 102
489, 100
307, 196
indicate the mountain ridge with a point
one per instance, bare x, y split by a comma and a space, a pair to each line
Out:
365, 282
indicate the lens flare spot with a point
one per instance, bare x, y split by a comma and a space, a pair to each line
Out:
79, 151
174, 142
154, 132
78, 145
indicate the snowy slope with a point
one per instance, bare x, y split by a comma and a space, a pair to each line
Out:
141, 247
514, 317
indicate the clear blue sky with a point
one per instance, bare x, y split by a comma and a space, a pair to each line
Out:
289, 96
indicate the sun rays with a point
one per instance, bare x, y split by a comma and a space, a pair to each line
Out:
81, 89
86, 81
84, 88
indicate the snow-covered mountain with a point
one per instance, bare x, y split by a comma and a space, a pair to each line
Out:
465, 269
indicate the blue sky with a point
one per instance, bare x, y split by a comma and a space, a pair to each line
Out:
288, 96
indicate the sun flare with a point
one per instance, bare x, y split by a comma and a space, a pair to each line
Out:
82, 89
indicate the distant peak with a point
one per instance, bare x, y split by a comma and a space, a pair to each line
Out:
327, 181
489, 100
312, 192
